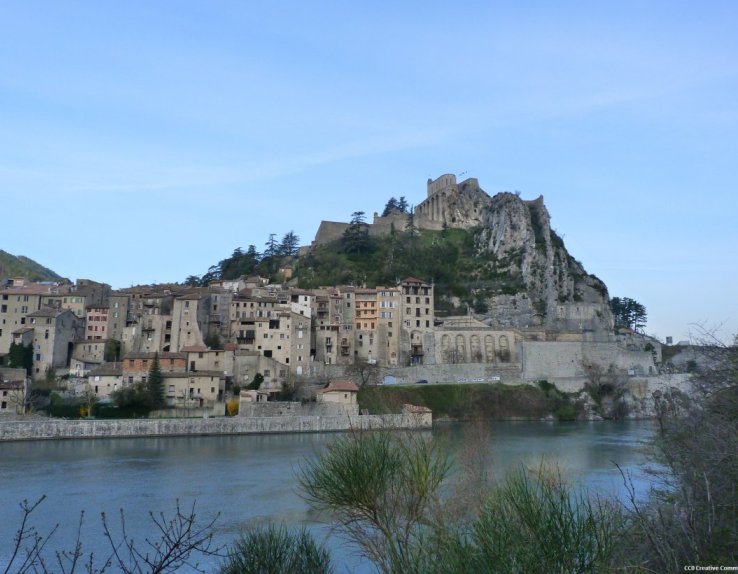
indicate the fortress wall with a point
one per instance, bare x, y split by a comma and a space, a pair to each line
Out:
312, 409
133, 428
445, 181
329, 231
561, 360
383, 225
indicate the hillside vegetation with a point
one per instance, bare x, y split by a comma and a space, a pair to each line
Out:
463, 274
449, 259
21, 266
473, 401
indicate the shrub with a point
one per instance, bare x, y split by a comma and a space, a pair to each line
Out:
232, 406
276, 550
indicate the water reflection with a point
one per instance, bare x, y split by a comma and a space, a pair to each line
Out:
250, 479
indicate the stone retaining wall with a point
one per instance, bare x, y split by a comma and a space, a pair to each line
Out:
66, 429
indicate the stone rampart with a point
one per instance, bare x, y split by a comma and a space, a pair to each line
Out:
131, 428
563, 361
329, 231
307, 409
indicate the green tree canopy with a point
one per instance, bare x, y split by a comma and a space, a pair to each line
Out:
628, 313
21, 357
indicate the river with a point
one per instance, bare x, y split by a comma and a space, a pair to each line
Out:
250, 479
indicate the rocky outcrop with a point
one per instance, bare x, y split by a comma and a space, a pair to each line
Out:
545, 285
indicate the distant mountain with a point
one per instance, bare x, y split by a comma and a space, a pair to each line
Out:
22, 266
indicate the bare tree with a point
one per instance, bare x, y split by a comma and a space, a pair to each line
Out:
180, 541
691, 519
364, 372
606, 385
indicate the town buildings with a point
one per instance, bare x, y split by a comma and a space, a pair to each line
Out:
210, 340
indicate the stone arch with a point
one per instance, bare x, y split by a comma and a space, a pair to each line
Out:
446, 351
503, 354
460, 349
475, 349
489, 348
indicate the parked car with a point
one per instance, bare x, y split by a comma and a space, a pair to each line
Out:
422, 382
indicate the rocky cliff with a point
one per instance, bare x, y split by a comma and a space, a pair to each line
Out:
551, 288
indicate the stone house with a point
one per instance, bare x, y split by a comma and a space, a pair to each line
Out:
136, 366
13, 390
248, 363
84, 293
96, 321
418, 312
87, 355
18, 299
273, 329
366, 319
342, 392
200, 358
54, 334
193, 389
189, 320
388, 325
118, 305
105, 379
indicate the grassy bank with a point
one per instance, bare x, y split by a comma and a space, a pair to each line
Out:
473, 401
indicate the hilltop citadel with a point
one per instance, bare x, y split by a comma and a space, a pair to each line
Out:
212, 339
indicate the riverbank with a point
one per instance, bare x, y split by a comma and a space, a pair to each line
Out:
56, 429
539, 400
474, 401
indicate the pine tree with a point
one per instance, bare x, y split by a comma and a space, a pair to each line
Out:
390, 207
155, 385
356, 236
290, 243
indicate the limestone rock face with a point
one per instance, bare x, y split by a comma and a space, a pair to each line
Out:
546, 286
467, 205
453, 205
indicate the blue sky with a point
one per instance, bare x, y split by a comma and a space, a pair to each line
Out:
143, 141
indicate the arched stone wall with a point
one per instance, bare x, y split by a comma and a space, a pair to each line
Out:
475, 349
489, 348
460, 349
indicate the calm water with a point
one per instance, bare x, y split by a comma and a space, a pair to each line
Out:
248, 479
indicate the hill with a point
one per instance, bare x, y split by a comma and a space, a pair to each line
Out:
22, 266
494, 257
